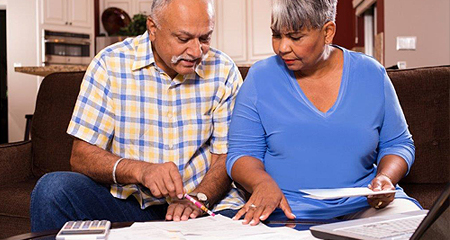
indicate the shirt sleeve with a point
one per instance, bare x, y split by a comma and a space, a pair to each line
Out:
222, 113
395, 137
93, 116
247, 135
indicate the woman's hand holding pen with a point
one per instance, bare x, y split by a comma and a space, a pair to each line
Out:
182, 210
265, 198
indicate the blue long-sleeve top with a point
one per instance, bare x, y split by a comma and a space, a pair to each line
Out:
303, 148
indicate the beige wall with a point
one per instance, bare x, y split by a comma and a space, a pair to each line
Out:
429, 21
21, 41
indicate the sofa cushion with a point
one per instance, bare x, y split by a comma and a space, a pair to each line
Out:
12, 226
424, 97
54, 106
15, 162
426, 194
15, 208
15, 198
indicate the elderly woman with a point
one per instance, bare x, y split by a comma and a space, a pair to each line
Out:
317, 115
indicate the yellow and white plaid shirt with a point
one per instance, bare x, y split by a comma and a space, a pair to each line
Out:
130, 107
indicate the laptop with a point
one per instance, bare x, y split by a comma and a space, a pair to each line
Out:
422, 224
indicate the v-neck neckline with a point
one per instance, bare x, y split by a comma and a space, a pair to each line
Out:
341, 93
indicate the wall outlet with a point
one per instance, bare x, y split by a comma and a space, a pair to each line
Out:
406, 43
401, 64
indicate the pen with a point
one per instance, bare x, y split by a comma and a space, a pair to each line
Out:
198, 204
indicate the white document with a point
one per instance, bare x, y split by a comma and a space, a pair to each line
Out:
142, 234
218, 227
341, 192
214, 227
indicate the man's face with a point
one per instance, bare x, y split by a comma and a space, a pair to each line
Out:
181, 35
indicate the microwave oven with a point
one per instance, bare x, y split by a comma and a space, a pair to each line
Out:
66, 48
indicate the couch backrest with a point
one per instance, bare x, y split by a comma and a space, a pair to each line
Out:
424, 96
423, 92
51, 145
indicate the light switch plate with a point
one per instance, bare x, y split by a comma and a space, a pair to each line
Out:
406, 43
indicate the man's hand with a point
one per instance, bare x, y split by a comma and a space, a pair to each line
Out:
162, 179
182, 210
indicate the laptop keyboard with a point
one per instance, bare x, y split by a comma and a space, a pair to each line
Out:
391, 229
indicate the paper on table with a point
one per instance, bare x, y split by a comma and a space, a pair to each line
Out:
218, 227
341, 192
142, 234
213, 227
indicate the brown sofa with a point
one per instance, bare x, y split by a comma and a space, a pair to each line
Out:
423, 93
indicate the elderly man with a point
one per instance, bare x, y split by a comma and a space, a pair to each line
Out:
150, 122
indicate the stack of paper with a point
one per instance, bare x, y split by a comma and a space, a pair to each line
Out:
218, 227
341, 192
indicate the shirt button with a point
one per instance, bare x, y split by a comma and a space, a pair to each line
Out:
170, 146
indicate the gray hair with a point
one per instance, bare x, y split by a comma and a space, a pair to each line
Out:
159, 5
294, 15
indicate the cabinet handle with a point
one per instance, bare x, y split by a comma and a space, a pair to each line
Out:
67, 23
70, 23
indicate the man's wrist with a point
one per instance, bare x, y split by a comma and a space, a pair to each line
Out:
201, 197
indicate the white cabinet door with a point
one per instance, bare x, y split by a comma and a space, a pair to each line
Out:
243, 29
259, 34
54, 12
231, 29
142, 6
80, 13
68, 13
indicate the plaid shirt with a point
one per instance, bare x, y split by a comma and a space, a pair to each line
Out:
130, 107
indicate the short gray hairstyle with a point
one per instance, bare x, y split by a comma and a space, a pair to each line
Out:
159, 5
294, 15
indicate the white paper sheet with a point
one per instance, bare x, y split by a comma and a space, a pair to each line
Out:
218, 227
341, 192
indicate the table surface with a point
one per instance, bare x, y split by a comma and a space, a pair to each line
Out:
52, 233
298, 225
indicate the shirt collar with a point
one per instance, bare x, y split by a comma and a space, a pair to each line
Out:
144, 55
142, 51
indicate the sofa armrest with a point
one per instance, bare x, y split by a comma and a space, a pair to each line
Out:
15, 162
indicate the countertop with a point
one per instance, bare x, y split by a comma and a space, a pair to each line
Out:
43, 71
46, 70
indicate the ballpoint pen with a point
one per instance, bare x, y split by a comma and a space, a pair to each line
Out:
198, 204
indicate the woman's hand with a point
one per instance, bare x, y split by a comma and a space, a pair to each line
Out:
265, 198
381, 182
182, 210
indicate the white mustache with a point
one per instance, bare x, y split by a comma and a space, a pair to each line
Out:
176, 59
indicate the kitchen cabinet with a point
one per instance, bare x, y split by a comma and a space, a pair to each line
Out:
243, 29
70, 14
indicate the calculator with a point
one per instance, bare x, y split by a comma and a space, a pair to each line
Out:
96, 229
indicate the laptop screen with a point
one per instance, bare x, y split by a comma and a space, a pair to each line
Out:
436, 225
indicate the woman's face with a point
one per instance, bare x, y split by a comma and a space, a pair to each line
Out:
300, 50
